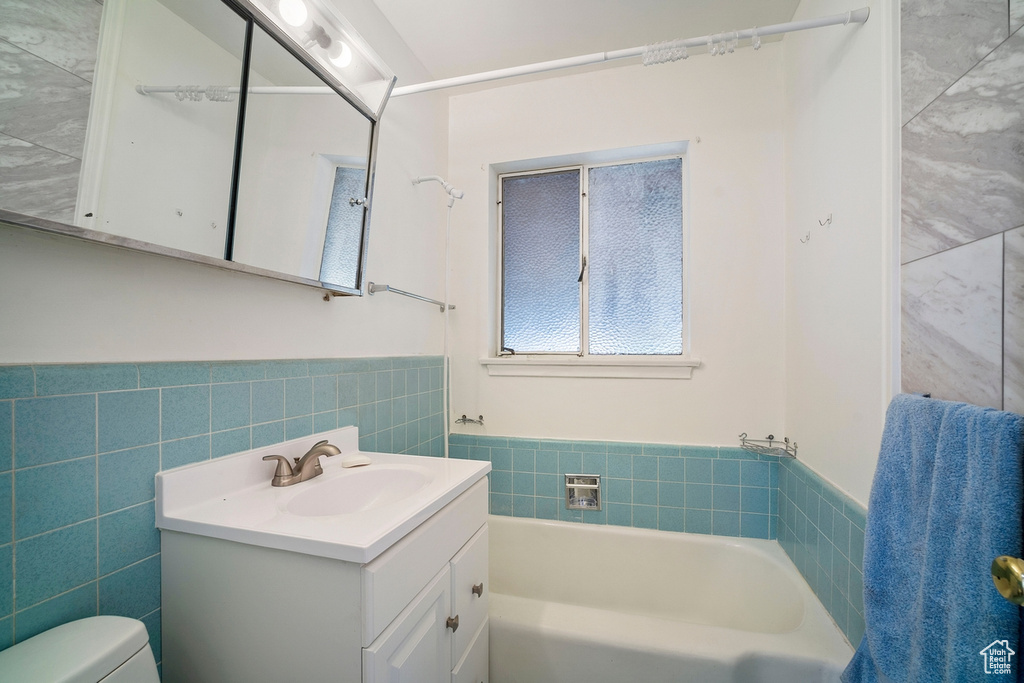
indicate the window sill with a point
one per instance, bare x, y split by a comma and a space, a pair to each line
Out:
592, 366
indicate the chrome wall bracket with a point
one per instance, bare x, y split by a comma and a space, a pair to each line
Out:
769, 446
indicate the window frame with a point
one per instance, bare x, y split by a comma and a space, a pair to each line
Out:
501, 254
583, 363
330, 170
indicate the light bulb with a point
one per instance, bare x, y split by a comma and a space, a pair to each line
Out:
340, 54
293, 12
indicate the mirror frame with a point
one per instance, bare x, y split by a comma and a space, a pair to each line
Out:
252, 19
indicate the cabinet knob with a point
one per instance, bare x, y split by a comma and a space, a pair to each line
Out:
453, 623
1008, 576
478, 589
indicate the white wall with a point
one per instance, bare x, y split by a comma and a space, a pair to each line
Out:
67, 301
841, 137
734, 105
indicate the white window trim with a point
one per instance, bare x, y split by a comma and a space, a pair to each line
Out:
587, 365
609, 367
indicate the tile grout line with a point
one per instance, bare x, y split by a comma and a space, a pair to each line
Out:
96, 501
959, 246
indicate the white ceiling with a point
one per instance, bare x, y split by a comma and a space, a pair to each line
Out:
457, 37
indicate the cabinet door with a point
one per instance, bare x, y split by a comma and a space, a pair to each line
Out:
416, 647
469, 591
474, 665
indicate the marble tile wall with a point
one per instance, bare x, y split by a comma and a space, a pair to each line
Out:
963, 360
963, 200
1013, 324
47, 58
941, 41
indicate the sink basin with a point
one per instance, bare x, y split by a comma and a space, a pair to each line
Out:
365, 488
347, 513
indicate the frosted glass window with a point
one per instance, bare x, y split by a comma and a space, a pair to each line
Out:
344, 237
636, 258
592, 260
541, 248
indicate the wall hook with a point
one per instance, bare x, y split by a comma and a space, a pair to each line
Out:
827, 221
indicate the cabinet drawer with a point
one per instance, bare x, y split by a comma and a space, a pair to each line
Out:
474, 666
398, 574
469, 572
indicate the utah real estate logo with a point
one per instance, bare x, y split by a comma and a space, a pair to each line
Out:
997, 657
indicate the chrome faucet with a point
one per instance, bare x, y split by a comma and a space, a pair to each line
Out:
306, 467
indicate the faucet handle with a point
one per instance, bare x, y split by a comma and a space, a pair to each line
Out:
284, 468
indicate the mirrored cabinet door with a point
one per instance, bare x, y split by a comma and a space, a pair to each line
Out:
302, 186
161, 168
183, 128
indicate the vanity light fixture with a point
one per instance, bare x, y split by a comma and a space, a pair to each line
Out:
340, 53
340, 56
294, 12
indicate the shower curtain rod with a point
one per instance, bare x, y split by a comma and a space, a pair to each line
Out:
857, 16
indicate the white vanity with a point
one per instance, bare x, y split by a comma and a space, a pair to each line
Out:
373, 573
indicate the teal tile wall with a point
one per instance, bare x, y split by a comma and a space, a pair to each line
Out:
708, 490
822, 531
80, 445
700, 489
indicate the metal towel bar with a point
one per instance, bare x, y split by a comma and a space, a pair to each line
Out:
374, 288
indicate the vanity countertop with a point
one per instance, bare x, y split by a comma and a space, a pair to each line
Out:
231, 498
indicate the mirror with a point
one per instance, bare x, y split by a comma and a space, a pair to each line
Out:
302, 185
151, 143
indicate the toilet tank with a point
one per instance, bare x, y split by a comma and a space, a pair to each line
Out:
108, 649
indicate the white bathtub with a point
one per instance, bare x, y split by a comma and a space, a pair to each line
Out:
583, 603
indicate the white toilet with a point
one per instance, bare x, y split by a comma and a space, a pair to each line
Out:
108, 649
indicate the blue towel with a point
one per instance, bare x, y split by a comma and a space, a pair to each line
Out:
945, 502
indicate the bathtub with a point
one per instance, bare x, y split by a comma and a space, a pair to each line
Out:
586, 603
